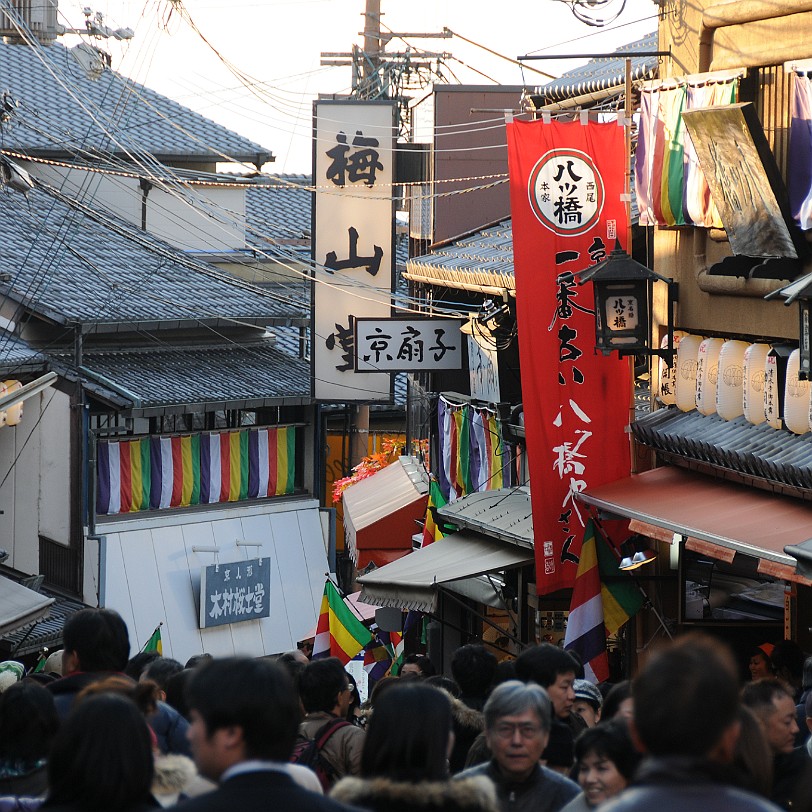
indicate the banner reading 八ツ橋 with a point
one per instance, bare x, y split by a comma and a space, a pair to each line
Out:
566, 197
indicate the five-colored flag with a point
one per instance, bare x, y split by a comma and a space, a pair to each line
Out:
154, 643
339, 633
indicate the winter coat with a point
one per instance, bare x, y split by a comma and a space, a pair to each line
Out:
383, 795
343, 748
19, 778
676, 784
543, 791
467, 724
173, 774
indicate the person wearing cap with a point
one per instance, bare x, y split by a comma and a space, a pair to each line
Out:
588, 701
760, 665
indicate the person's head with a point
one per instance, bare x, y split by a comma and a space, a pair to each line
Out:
138, 662
787, 660
686, 700
417, 665
101, 757
806, 674
760, 665
53, 665
354, 704
143, 694
407, 736
553, 669
196, 660
28, 721
774, 706
160, 670
473, 668
517, 727
95, 640
383, 685
240, 709
605, 761
324, 686
619, 702
446, 683
176, 691
753, 757
588, 701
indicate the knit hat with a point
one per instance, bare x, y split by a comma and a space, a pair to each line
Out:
10, 672
588, 692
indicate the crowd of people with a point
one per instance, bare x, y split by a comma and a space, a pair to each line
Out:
95, 731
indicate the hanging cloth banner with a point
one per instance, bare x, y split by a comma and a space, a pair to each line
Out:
670, 186
566, 196
152, 473
800, 152
472, 454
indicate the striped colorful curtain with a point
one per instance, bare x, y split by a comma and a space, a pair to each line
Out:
472, 454
670, 187
153, 473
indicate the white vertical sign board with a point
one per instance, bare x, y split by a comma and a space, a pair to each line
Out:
353, 244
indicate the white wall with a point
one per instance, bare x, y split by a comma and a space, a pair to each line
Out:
150, 574
54, 464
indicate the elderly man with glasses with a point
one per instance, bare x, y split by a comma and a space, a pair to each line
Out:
518, 717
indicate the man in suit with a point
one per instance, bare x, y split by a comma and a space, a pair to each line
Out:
244, 717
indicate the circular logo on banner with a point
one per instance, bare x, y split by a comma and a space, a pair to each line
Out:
566, 191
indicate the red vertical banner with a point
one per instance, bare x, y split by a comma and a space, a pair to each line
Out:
566, 196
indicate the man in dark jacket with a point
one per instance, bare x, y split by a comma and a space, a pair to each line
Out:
517, 729
245, 715
686, 706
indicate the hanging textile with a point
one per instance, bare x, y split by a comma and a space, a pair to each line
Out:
669, 184
153, 473
472, 455
800, 152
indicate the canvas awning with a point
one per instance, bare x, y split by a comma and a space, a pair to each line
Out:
704, 510
20, 606
380, 512
412, 581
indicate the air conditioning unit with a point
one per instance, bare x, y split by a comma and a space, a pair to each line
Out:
24, 20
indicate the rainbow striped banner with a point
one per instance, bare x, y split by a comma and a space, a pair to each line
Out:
473, 456
154, 473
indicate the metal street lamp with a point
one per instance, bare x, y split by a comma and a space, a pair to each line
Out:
623, 290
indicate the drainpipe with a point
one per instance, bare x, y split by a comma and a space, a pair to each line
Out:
145, 188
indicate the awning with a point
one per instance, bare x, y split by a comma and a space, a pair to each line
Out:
701, 508
412, 582
504, 514
46, 633
380, 512
20, 606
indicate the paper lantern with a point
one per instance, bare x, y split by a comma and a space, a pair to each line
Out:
668, 374
687, 356
707, 373
796, 397
755, 358
14, 414
772, 391
730, 380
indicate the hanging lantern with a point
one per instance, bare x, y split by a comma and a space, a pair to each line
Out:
623, 290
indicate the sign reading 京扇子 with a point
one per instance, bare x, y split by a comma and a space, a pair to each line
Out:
415, 344
234, 592
353, 239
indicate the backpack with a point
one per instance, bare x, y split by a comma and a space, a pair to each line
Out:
307, 752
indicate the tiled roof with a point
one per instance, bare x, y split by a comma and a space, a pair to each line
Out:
58, 103
224, 375
279, 211
16, 355
482, 259
88, 266
600, 74
45, 633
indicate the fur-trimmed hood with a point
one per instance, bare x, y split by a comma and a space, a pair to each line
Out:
475, 794
173, 773
465, 716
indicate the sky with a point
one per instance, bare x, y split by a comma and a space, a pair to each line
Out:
254, 66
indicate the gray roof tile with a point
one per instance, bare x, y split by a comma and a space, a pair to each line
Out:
88, 266
56, 99
239, 375
279, 211
16, 355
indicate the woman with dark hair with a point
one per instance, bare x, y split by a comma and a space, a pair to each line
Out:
101, 759
618, 702
605, 761
28, 724
404, 764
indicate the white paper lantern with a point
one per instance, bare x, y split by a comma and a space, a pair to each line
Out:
668, 374
796, 397
686, 372
707, 373
772, 392
755, 357
730, 380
